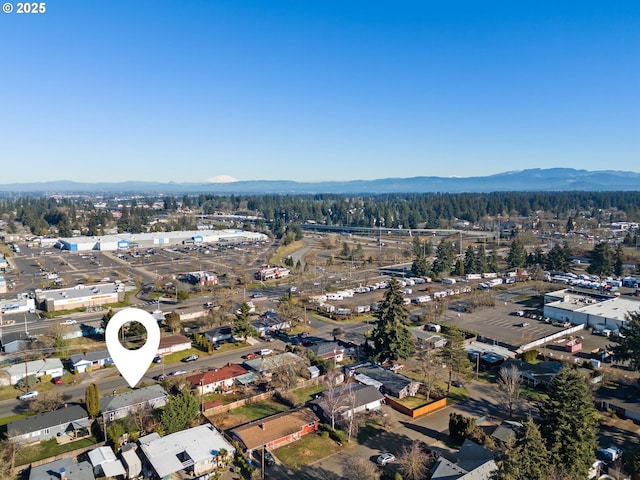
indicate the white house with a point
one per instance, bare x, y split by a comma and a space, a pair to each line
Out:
196, 451
48, 366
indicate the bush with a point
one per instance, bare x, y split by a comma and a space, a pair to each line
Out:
324, 434
529, 356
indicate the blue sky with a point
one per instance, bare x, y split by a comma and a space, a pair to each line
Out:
184, 90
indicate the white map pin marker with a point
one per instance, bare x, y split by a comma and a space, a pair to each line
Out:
132, 364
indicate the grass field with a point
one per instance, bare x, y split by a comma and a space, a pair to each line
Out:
48, 449
307, 394
308, 449
248, 413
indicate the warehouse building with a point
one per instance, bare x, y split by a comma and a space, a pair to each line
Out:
588, 308
80, 296
124, 241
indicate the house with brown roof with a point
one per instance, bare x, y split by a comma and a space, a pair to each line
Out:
220, 379
276, 430
172, 344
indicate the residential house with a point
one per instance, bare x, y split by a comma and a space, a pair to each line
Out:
624, 401
118, 406
350, 399
220, 334
172, 344
105, 463
428, 339
63, 469
80, 362
15, 342
270, 323
276, 430
72, 421
474, 463
328, 351
220, 379
267, 365
540, 374
38, 368
195, 451
507, 432
388, 382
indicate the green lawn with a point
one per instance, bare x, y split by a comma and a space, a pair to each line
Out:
308, 449
307, 394
48, 449
255, 411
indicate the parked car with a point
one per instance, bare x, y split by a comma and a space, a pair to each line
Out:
523, 324
385, 458
30, 395
57, 380
190, 358
157, 359
265, 351
160, 377
269, 459
175, 373
250, 356
68, 321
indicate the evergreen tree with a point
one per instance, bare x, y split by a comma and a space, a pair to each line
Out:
454, 355
445, 256
420, 266
556, 259
493, 262
601, 260
179, 412
391, 338
628, 347
241, 327
528, 458
569, 424
470, 264
618, 261
92, 400
517, 257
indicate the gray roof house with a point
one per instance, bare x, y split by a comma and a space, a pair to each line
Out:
118, 406
219, 334
535, 375
352, 398
474, 463
266, 365
94, 359
47, 366
392, 384
64, 468
194, 450
15, 341
328, 351
72, 421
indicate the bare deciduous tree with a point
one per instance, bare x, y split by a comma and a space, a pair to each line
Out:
430, 367
333, 401
359, 468
47, 402
413, 462
509, 386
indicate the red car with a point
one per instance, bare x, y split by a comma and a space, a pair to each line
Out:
57, 380
250, 356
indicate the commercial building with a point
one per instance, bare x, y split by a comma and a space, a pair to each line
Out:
17, 305
80, 296
589, 308
125, 241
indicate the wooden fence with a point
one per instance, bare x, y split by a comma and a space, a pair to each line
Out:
419, 411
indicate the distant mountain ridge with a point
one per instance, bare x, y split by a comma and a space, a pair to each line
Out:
530, 180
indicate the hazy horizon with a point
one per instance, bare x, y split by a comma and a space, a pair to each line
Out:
161, 91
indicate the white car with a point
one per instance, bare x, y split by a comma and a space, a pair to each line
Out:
28, 395
68, 322
265, 351
385, 458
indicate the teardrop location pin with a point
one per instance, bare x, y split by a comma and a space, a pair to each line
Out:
132, 364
